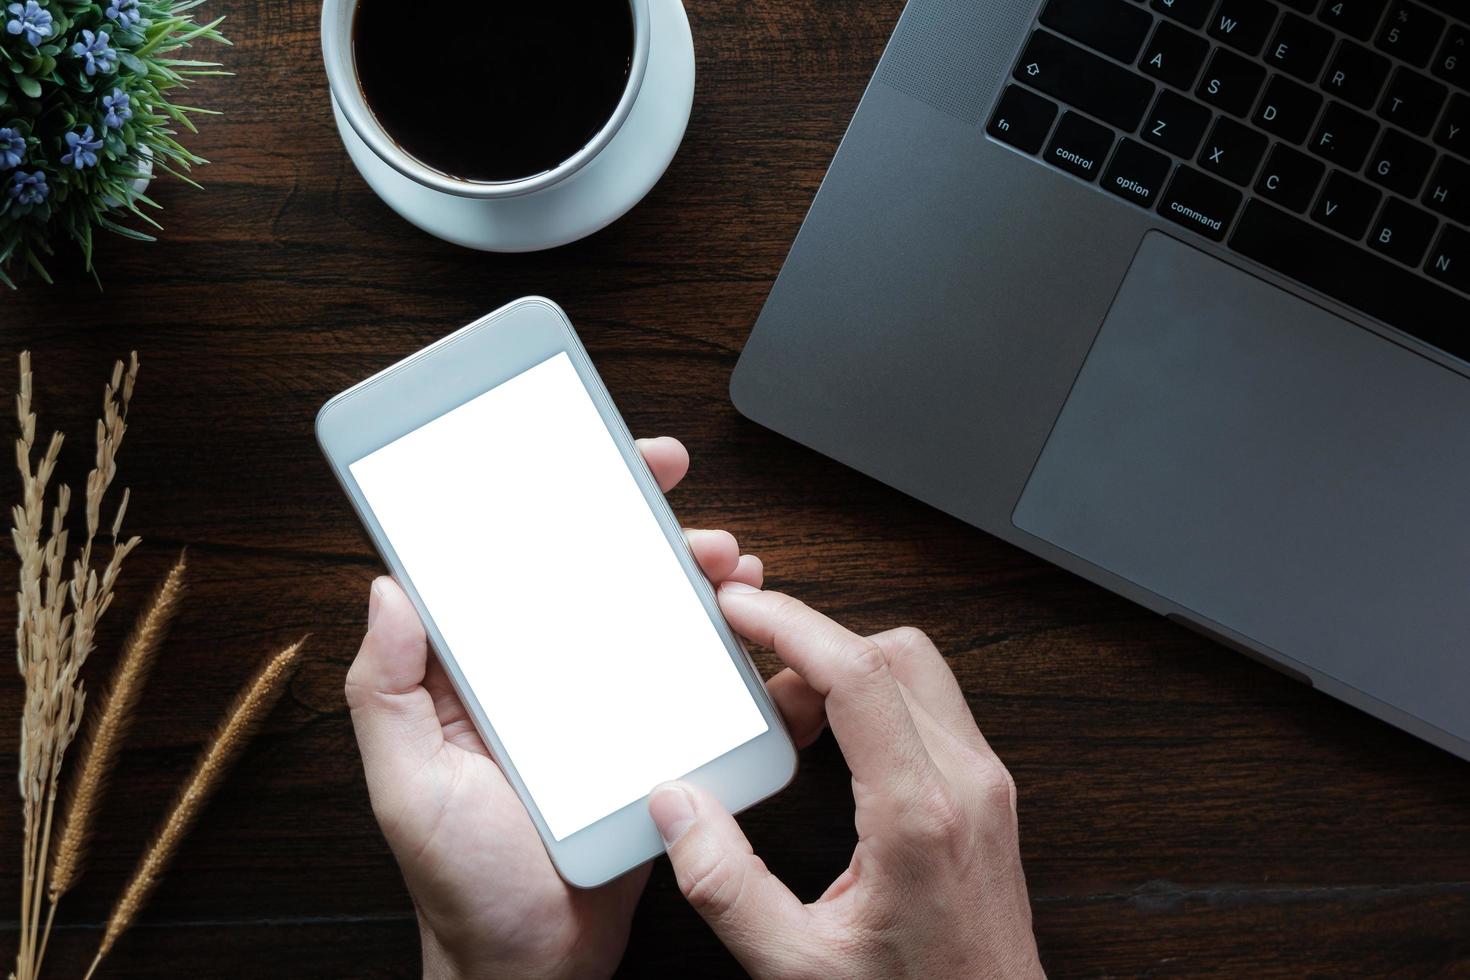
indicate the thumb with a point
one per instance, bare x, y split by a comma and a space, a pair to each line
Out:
751, 911
397, 727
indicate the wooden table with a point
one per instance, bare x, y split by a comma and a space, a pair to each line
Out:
1184, 811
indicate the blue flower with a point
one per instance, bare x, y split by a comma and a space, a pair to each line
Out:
28, 189
119, 109
94, 49
125, 12
29, 18
12, 148
81, 149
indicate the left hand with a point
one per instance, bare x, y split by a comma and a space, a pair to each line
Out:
489, 901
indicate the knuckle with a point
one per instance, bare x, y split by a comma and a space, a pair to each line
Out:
997, 786
781, 603
354, 689
785, 610
911, 639
864, 660
909, 644
939, 816
713, 885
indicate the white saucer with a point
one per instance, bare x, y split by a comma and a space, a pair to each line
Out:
588, 201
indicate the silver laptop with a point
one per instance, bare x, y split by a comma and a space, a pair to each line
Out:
1176, 295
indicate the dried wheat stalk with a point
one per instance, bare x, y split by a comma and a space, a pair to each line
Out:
104, 735
250, 708
56, 623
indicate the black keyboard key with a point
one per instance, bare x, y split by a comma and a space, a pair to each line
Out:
1305, 6
1400, 163
1449, 260
1410, 32
1356, 74
1231, 82
1402, 232
1356, 17
1191, 12
1448, 191
1346, 205
1290, 178
1243, 24
1232, 151
1111, 26
1354, 276
1453, 61
1300, 48
1455, 8
1096, 86
1175, 124
1137, 173
1079, 146
1199, 202
1343, 137
1412, 101
1454, 129
1174, 55
1287, 109
1022, 119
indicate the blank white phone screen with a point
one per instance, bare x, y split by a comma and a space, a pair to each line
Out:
559, 596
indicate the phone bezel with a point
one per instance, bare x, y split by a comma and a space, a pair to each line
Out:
440, 378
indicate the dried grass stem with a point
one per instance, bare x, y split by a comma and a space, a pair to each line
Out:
250, 708
56, 623
109, 726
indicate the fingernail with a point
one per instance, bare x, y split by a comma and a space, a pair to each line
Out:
672, 811
737, 588
374, 597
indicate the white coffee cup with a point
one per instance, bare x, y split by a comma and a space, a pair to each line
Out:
583, 194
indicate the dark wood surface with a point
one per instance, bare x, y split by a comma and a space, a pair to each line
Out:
1184, 811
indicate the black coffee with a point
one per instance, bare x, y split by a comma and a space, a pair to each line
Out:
493, 90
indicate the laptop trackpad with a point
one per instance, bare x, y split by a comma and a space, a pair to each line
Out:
1277, 470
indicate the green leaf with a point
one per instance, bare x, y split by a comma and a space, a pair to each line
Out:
34, 261
123, 230
155, 63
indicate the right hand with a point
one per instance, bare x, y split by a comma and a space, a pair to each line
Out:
935, 886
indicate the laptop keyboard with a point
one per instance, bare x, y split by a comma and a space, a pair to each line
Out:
1328, 140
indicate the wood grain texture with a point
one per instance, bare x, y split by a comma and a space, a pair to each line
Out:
1184, 811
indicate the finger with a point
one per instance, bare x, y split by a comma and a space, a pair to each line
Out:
917, 664
393, 714
750, 570
864, 705
980, 778
803, 709
667, 459
751, 911
455, 720
717, 552
953, 756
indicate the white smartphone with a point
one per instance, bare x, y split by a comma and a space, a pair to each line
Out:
508, 499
